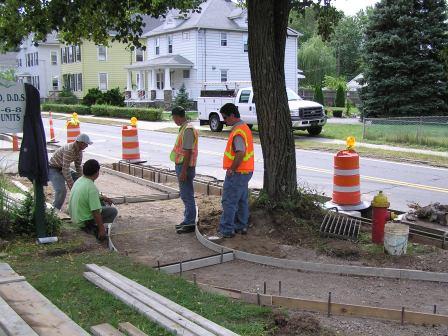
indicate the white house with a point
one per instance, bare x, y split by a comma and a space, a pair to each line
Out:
39, 64
195, 49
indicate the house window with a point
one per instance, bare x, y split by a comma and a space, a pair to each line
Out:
102, 53
186, 74
35, 82
78, 53
157, 45
244, 96
102, 81
159, 81
19, 62
55, 83
186, 35
245, 45
224, 75
63, 56
54, 58
170, 44
79, 82
138, 55
223, 39
70, 54
36, 58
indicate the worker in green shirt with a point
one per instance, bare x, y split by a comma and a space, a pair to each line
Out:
86, 206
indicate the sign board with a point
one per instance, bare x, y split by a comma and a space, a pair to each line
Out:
12, 106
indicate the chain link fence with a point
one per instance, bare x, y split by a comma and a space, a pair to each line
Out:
431, 131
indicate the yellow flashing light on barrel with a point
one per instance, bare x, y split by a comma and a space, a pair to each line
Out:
74, 121
134, 121
351, 141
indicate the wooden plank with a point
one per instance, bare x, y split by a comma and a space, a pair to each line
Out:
11, 323
200, 320
6, 271
149, 302
151, 314
37, 311
130, 330
4, 280
105, 329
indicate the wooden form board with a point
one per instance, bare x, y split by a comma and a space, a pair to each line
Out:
130, 330
35, 309
340, 309
105, 329
11, 323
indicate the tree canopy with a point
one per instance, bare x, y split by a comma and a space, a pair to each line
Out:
403, 67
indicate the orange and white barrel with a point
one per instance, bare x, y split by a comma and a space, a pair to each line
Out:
52, 136
130, 145
346, 179
15, 143
72, 132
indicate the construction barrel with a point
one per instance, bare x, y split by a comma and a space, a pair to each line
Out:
346, 179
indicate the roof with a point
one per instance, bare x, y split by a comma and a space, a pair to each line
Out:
355, 83
172, 61
149, 21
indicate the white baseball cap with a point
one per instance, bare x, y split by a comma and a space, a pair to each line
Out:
84, 138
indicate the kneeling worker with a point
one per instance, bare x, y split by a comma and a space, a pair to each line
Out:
85, 204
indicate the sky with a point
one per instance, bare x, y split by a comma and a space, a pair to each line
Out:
351, 7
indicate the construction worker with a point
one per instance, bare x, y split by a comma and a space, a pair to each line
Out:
59, 167
87, 208
238, 162
184, 155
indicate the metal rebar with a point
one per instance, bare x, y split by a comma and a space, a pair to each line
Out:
194, 279
222, 255
329, 304
279, 288
180, 268
435, 309
264, 288
402, 315
158, 265
258, 299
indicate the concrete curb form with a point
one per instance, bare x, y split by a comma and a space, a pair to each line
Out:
396, 273
199, 263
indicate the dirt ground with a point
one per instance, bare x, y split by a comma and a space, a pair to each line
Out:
145, 232
268, 235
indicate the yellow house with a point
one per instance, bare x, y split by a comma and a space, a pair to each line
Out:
86, 66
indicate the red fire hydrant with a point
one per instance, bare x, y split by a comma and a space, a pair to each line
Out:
380, 215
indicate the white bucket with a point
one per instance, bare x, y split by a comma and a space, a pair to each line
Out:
396, 238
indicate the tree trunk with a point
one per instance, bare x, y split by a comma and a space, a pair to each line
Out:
268, 22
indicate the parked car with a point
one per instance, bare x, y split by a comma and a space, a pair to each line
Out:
305, 114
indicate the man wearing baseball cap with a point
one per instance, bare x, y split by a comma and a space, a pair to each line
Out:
59, 167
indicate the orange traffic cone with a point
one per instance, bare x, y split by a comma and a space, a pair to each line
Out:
15, 143
52, 136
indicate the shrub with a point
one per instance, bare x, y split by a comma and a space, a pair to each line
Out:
149, 114
92, 96
113, 97
66, 96
182, 99
340, 97
80, 109
318, 95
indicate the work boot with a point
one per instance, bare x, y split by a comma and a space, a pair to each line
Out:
185, 228
241, 231
178, 226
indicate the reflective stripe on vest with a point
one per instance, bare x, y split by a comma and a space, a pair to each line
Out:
247, 165
177, 154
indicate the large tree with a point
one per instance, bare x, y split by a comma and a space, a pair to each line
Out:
403, 70
268, 21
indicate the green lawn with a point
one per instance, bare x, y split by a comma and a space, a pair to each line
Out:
56, 271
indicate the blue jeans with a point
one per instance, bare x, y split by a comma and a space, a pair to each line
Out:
58, 182
235, 203
187, 194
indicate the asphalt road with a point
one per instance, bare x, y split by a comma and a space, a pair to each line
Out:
402, 182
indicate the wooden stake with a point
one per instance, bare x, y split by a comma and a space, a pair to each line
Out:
402, 315
279, 288
329, 304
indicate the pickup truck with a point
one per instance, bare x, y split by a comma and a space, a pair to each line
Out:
305, 114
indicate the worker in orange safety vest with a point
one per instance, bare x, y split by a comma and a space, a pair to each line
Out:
238, 162
184, 155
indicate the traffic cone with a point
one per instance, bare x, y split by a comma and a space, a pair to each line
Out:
52, 136
73, 128
15, 143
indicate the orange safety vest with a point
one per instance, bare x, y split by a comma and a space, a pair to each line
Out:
177, 154
247, 165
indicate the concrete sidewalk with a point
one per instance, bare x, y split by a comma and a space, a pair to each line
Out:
158, 125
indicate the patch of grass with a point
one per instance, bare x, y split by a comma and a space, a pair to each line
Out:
60, 279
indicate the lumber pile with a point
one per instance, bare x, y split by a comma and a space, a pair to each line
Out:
168, 314
25, 311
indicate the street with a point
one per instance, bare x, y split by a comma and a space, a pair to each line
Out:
403, 183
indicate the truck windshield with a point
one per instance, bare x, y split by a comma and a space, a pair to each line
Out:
292, 95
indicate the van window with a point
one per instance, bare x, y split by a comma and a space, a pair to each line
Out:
244, 96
